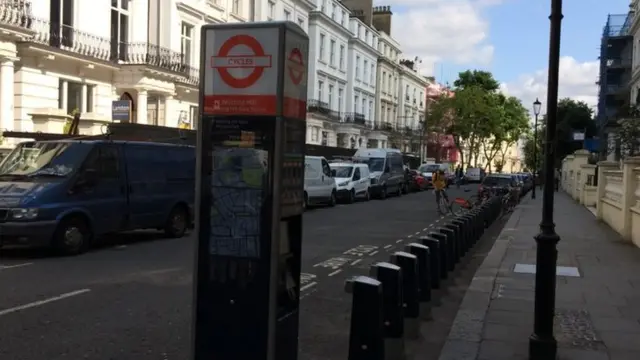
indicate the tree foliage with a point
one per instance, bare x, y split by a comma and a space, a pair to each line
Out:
480, 117
628, 131
532, 152
573, 116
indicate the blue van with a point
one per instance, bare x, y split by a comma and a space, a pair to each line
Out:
66, 194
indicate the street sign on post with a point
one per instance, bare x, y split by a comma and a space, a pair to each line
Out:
250, 178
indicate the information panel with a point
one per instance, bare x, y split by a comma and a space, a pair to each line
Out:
239, 185
292, 191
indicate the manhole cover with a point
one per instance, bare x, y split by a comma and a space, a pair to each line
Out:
574, 328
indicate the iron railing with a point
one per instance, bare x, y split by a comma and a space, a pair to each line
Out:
322, 108
72, 40
354, 118
16, 13
153, 55
191, 75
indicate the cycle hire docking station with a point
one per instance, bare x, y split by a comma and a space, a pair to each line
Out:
249, 188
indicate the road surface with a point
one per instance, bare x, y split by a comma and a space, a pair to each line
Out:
132, 300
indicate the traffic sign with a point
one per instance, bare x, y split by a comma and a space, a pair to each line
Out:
296, 66
256, 62
240, 74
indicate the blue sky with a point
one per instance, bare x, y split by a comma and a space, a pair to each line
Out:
519, 30
510, 38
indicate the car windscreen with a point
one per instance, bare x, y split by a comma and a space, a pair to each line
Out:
341, 171
31, 159
496, 181
374, 164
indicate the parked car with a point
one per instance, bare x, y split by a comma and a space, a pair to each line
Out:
497, 183
66, 194
319, 186
427, 171
385, 169
352, 180
474, 175
417, 182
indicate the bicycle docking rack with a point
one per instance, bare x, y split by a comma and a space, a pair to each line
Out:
390, 304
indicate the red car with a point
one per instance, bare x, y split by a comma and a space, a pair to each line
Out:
417, 182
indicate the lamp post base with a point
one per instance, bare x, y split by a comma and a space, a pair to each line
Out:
542, 348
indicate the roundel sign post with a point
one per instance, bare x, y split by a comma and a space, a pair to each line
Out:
251, 130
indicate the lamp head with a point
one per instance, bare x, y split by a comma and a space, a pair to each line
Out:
536, 107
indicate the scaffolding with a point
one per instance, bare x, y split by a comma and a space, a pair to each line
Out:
615, 72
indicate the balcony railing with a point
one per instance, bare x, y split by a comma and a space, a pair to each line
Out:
385, 126
153, 55
16, 13
322, 108
354, 118
191, 75
72, 40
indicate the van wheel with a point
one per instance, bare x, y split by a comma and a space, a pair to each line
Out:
73, 236
333, 201
352, 196
305, 201
176, 224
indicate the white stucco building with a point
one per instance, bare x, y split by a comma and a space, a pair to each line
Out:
62, 56
387, 94
363, 58
411, 103
342, 78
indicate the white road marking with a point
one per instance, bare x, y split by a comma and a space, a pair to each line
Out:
438, 220
5, 267
373, 253
409, 236
43, 302
388, 246
425, 229
417, 233
399, 241
356, 262
431, 225
335, 273
308, 286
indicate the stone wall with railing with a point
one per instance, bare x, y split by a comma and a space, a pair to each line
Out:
613, 188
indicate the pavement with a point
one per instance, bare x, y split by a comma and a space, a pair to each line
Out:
597, 311
132, 298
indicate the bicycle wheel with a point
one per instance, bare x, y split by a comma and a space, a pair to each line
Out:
445, 206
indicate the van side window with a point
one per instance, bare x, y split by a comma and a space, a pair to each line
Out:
326, 169
104, 160
395, 162
356, 174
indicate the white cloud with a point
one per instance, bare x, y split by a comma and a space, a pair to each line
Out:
577, 81
442, 30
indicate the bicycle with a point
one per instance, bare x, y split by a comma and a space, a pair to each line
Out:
443, 203
508, 203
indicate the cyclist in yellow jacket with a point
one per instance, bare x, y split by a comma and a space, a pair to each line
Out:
439, 182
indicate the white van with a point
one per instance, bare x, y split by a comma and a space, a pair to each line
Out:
386, 171
352, 180
319, 185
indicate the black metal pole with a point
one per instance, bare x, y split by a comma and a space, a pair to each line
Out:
536, 171
542, 343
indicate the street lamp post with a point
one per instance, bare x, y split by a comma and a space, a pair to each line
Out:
536, 172
542, 342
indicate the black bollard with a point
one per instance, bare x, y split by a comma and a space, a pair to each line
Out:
462, 239
468, 218
434, 264
409, 265
444, 257
457, 238
423, 255
390, 276
366, 337
451, 250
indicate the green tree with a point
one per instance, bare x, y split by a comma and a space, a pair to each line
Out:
532, 152
477, 78
515, 125
573, 116
628, 131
